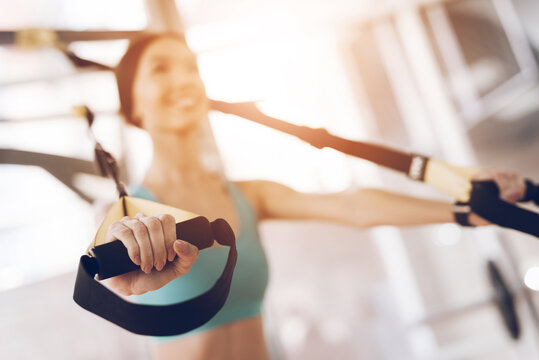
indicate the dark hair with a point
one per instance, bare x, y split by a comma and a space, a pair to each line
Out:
127, 67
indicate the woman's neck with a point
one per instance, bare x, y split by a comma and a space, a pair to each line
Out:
176, 159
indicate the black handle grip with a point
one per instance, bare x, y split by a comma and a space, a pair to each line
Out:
485, 202
112, 259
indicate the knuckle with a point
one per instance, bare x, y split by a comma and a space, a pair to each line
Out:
139, 229
153, 223
124, 233
167, 219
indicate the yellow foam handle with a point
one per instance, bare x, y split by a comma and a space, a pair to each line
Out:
134, 206
450, 179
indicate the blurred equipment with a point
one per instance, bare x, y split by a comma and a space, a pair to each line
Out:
61, 167
502, 297
60, 40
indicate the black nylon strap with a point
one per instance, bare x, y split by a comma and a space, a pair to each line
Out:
152, 320
319, 138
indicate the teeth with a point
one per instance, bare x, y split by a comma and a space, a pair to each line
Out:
183, 102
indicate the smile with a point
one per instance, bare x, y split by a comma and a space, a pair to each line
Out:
183, 103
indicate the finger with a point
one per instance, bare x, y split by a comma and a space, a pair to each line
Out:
522, 189
143, 240
518, 186
498, 177
506, 184
511, 186
510, 193
187, 255
169, 230
157, 240
118, 231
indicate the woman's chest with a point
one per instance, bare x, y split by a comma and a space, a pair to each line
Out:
211, 203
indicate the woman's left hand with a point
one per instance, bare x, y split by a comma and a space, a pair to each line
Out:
511, 185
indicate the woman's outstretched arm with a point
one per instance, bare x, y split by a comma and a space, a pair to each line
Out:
361, 208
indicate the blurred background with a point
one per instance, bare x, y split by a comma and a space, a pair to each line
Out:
453, 79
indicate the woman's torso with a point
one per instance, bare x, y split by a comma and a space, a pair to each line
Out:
236, 331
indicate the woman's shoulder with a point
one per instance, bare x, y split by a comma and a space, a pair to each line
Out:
262, 193
252, 190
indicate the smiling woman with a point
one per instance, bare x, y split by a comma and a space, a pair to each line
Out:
161, 92
336, 290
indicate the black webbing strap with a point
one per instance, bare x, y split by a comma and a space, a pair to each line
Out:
111, 259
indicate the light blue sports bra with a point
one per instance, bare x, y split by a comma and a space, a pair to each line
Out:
250, 275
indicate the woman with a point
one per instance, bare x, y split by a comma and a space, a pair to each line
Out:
161, 91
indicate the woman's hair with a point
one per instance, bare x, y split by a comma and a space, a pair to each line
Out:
126, 70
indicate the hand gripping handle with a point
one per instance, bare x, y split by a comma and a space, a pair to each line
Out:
485, 202
112, 259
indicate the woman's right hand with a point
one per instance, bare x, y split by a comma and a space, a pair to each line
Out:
150, 242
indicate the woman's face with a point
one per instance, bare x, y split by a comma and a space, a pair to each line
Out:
168, 93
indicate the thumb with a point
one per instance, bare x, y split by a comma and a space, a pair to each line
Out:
187, 255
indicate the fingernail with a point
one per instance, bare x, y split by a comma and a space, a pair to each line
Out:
171, 255
159, 266
147, 269
137, 260
182, 247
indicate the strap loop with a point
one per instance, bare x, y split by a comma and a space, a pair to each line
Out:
461, 212
111, 259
